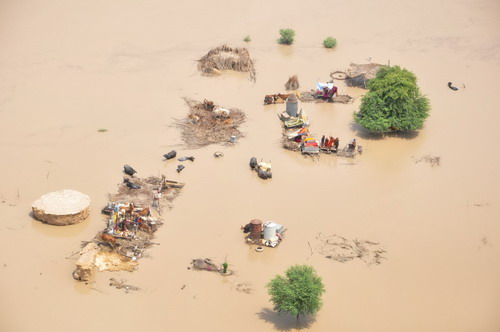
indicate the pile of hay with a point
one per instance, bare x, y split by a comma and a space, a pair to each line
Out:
143, 197
204, 127
292, 83
358, 75
227, 58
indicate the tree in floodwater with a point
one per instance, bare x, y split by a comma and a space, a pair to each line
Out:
298, 292
393, 102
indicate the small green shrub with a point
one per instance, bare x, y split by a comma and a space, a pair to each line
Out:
247, 39
102, 130
330, 42
224, 267
287, 36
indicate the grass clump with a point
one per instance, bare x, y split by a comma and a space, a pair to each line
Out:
247, 39
330, 42
102, 130
287, 36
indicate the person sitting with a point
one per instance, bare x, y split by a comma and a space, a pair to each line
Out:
352, 145
330, 143
326, 93
333, 92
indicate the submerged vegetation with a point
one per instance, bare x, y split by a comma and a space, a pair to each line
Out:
287, 36
330, 42
393, 103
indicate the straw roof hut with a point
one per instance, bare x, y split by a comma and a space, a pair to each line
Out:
227, 58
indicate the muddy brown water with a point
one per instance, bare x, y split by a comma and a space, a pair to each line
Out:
70, 68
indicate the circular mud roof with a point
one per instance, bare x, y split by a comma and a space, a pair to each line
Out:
64, 207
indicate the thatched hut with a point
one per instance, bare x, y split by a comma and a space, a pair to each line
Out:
358, 75
227, 58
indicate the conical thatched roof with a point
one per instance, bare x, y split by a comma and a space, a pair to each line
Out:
227, 58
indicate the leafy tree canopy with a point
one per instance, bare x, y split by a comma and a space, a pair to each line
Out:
298, 292
393, 102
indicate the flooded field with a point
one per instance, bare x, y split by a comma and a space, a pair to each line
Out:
69, 69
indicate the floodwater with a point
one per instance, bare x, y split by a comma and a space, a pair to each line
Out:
70, 68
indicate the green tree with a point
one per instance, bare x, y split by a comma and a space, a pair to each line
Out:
393, 102
287, 36
298, 292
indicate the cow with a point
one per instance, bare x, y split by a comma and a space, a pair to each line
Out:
278, 98
108, 238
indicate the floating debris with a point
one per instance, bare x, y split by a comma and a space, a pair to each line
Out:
427, 158
342, 250
122, 285
204, 127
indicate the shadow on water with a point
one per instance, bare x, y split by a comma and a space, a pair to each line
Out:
285, 322
365, 134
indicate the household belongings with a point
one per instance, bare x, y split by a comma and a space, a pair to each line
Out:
268, 233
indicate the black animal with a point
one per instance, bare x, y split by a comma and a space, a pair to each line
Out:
253, 162
180, 168
186, 158
170, 155
264, 174
131, 185
454, 88
127, 169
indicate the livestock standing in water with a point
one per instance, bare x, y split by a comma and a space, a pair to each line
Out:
172, 154
127, 169
131, 185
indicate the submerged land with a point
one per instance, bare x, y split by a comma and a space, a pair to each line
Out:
88, 87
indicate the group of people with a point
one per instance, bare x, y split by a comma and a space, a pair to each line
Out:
329, 142
329, 94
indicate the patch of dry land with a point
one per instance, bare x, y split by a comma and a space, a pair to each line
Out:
410, 233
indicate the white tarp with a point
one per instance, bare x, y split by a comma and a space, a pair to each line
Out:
320, 86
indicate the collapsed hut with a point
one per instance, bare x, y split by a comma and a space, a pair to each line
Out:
129, 227
357, 75
227, 58
208, 123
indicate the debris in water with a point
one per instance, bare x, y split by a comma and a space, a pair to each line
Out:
121, 285
342, 250
432, 160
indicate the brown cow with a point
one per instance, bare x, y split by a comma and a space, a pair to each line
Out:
145, 212
127, 209
278, 98
108, 238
